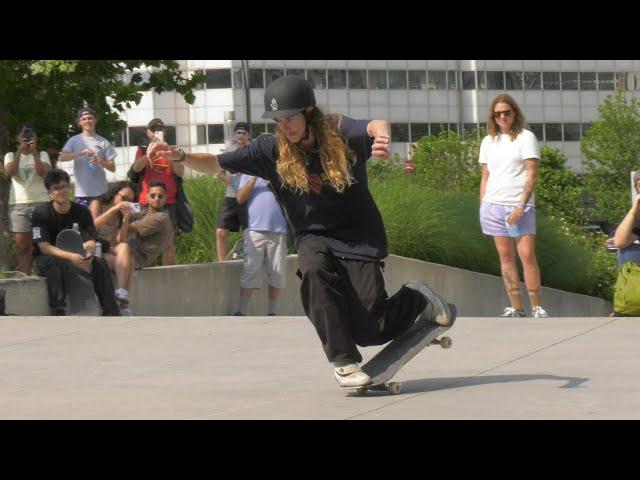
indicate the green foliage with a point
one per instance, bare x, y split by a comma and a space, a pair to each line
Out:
447, 160
48, 93
559, 190
385, 168
611, 149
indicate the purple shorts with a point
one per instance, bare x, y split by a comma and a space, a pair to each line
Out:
84, 201
493, 220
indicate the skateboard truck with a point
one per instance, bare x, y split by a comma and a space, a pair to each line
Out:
444, 342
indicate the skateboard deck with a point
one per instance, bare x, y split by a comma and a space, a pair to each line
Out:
81, 296
388, 361
237, 252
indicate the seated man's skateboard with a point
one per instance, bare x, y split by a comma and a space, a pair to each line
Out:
386, 363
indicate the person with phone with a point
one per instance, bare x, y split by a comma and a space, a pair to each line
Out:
91, 155
26, 167
55, 264
144, 171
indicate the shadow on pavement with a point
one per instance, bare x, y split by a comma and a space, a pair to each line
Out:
433, 384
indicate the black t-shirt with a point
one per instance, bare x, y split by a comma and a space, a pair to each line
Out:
350, 222
47, 223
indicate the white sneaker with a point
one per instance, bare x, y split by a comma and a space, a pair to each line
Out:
539, 312
437, 310
125, 312
122, 295
510, 312
351, 376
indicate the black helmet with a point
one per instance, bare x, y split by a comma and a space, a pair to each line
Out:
287, 96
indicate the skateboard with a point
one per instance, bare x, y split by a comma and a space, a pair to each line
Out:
81, 295
388, 361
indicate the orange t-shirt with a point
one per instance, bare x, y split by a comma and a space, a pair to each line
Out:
161, 170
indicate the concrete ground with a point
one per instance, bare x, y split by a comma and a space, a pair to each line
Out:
274, 368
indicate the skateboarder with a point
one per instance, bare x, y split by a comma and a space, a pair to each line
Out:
317, 166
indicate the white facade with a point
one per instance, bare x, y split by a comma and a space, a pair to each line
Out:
558, 97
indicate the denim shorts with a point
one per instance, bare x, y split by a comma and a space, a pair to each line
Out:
493, 219
20, 216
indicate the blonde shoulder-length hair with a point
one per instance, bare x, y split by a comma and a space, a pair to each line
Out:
518, 121
335, 156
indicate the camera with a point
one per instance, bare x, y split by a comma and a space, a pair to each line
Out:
159, 135
27, 135
135, 207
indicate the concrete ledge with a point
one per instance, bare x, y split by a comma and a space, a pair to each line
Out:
212, 289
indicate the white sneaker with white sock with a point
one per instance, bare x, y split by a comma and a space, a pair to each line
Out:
539, 312
122, 295
350, 375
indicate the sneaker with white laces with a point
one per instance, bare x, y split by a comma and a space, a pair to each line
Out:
539, 312
351, 375
122, 295
437, 309
510, 312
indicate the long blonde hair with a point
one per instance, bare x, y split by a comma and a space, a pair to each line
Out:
518, 121
333, 151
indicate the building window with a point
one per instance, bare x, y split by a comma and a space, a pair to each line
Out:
495, 80
588, 81
552, 132
256, 78
569, 80
138, 136
437, 128
419, 130
513, 80
605, 81
537, 129
378, 79
296, 71
417, 80
317, 78
201, 86
337, 78
585, 127
258, 129
358, 79
120, 138
399, 132
468, 80
216, 133
270, 74
571, 132
481, 76
171, 135
532, 80
238, 78
470, 127
452, 80
551, 80
201, 134
220, 78
398, 79
437, 80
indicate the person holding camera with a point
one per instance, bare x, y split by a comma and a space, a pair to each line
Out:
91, 155
149, 232
233, 215
145, 171
114, 204
27, 168
58, 265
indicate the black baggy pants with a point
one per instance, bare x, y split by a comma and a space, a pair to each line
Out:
58, 271
347, 303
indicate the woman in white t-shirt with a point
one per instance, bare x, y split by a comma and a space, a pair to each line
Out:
27, 168
509, 156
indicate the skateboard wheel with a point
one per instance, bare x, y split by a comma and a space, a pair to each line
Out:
446, 342
393, 388
361, 390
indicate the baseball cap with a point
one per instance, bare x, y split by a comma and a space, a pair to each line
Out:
85, 111
242, 126
156, 124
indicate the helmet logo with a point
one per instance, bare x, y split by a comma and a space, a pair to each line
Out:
274, 104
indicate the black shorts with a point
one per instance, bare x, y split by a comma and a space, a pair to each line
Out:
233, 215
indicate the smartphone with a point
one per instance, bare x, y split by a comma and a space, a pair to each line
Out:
135, 207
27, 135
159, 135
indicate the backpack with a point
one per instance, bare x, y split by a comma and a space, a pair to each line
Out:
626, 297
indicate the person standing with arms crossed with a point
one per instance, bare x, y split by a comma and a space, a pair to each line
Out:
509, 156
317, 167
233, 215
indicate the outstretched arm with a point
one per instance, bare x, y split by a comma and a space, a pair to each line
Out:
200, 162
380, 131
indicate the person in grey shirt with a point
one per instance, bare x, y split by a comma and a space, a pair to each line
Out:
91, 155
233, 215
